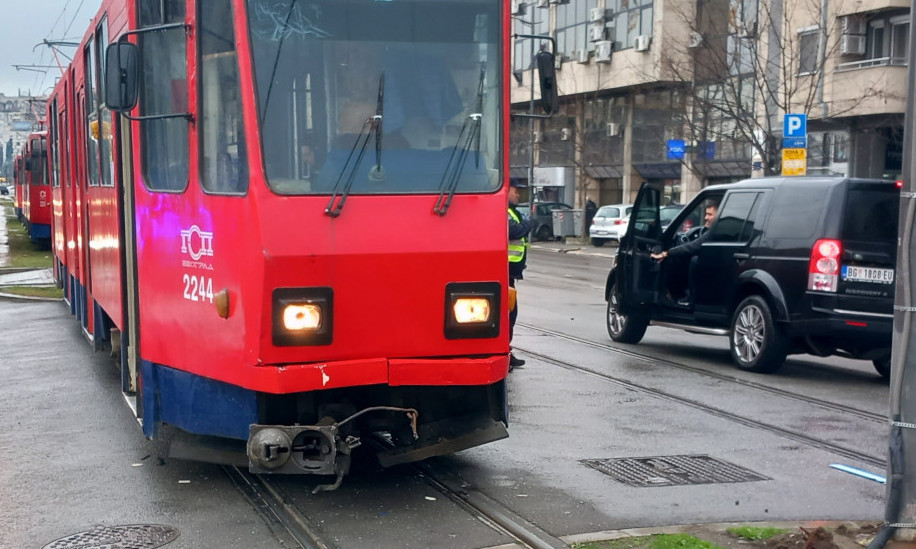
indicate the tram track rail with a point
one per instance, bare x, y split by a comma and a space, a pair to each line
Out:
864, 414
290, 526
295, 530
807, 440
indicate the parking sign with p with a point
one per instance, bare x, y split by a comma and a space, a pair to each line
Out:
795, 125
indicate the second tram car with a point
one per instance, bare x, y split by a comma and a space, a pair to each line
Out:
295, 229
35, 198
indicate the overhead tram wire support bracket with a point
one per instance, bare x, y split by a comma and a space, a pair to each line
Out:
544, 62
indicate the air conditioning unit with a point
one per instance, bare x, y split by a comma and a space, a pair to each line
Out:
582, 56
852, 24
518, 7
852, 44
537, 137
746, 29
642, 42
564, 134
596, 15
543, 3
603, 51
613, 129
596, 33
558, 61
695, 40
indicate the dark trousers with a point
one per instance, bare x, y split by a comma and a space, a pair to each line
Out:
513, 313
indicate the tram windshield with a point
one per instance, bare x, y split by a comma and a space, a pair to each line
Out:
389, 96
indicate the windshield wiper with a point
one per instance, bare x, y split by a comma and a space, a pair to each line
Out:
372, 124
470, 131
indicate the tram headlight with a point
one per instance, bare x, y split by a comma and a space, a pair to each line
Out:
468, 310
302, 316
472, 310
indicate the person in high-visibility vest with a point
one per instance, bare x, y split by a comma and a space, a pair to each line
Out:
519, 228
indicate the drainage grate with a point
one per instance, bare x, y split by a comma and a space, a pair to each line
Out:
672, 470
134, 536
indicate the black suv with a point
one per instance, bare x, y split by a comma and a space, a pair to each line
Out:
790, 265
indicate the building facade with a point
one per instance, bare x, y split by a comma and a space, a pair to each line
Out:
18, 116
687, 93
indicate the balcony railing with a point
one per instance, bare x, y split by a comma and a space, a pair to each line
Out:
876, 62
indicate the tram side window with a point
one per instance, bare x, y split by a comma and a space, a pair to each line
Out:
55, 148
92, 118
164, 90
225, 164
106, 162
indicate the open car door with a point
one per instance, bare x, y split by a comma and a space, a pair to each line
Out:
637, 273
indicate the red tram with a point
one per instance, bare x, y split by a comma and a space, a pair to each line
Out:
33, 192
17, 190
295, 229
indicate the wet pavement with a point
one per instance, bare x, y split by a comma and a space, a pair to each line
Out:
10, 276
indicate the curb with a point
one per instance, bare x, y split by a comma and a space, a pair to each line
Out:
16, 297
610, 535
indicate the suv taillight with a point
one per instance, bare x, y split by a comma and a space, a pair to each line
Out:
824, 267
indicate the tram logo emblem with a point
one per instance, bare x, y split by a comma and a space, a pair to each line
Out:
196, 243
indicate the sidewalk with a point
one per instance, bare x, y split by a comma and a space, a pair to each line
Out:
575, 246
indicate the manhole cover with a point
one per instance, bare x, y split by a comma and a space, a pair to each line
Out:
672, 470
134, 536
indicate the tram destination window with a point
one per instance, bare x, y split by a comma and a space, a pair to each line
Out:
324, 69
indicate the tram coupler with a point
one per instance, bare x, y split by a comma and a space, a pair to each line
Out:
299, 449
310, 449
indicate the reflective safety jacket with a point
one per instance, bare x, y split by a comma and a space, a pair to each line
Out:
518, 247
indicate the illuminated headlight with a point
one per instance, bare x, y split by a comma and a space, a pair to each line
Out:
472, 310
302, 316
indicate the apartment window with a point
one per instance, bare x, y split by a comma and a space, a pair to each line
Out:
572, 26
632, 18
874, 39
740, 56
745, 12
535, 21
887, 38
900, 34
807, 50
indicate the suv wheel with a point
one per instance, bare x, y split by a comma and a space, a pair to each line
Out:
623, 328
883, 366
757, 343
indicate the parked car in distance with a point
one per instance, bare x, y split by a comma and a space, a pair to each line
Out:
610, 223
542, 220
789, 265
667, 214
4, 190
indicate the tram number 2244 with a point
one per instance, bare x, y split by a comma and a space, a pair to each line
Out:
197, 288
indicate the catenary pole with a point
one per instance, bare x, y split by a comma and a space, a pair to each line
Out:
900, 509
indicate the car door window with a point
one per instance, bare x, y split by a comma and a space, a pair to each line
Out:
646, 217
735, 222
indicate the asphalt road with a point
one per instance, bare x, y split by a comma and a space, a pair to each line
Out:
75, 459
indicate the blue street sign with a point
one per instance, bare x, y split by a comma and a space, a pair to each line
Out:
710, 150
795, 125
794, 142
675, 149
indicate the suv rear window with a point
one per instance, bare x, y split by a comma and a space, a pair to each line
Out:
799, 212
871, 213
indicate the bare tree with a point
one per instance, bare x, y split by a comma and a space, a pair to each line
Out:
751, 62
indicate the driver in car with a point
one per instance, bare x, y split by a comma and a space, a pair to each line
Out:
690, 249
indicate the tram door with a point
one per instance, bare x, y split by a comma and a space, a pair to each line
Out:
130, 341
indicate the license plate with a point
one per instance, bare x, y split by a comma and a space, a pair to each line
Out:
868, 274
601, 232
